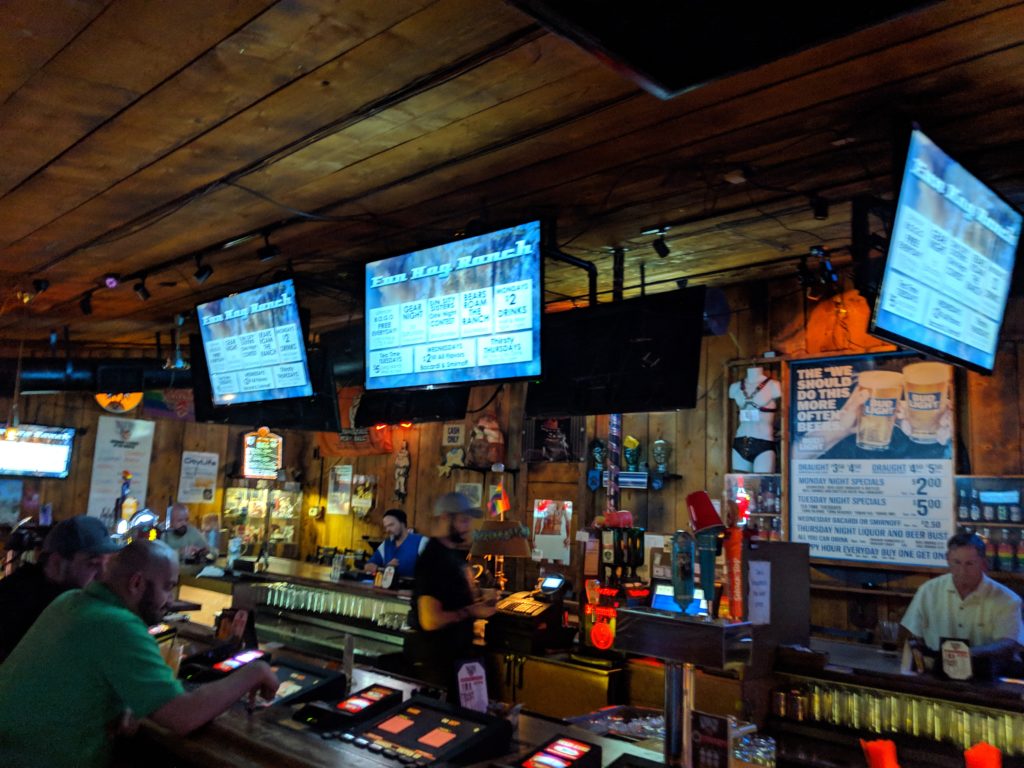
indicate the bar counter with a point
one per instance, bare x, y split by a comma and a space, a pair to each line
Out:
269, 737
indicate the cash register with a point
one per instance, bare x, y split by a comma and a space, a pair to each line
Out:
531, 622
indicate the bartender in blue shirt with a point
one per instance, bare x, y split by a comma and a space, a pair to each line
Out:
400, 548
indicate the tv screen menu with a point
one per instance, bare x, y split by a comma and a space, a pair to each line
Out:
465, 311
950, 261
254, 346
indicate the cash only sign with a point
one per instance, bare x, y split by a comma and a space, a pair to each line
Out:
871, 458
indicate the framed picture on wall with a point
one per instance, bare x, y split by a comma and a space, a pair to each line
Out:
554, 439
472, 491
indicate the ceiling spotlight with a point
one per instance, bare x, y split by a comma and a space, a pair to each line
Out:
268, 252
112, 280
40, 286
203, 271
85, 304
660, 247
819, 205
141, 290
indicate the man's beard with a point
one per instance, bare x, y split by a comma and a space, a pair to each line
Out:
455, 536
181, 531
149, 611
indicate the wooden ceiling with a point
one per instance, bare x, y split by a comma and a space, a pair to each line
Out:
136, 136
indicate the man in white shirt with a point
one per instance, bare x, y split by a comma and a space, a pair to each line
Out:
966, 604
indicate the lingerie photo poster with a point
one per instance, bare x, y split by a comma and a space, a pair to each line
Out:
871, 458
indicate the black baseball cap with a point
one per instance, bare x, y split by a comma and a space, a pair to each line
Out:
456, 504
80, 534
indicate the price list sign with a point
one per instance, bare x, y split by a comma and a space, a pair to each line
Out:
871, 459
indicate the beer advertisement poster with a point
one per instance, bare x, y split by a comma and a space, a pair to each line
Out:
871, 458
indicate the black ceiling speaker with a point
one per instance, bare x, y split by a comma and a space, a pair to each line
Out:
669, 48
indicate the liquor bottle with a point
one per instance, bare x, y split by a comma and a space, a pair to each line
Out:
769, 495
1015, 515
1006, 552
125, 505
988, 513
991, 549
975, 506
962, 509
742, 502
1002, 513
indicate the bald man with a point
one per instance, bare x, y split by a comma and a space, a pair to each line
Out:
89, 659
187, 540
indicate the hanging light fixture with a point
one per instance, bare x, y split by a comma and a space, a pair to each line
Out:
203, 271
141, 290
268, 252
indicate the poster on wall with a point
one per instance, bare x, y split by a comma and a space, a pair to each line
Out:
10, 501
198, 481
552, 524
122, 445
339, 490
871, 458
364, 491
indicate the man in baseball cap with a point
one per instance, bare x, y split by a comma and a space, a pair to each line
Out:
73, 555
445, 602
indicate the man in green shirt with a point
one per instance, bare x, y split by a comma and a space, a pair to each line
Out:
89, 661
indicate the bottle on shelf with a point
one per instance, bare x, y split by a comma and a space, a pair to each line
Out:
963, 510
988, 513
768, 484
991, 549
1006, 552
1015, 514
975, 505
1002, 513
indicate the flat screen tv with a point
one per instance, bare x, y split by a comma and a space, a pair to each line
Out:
319, 412
30, 450
465, 311
630, 356
253, 344
950, 261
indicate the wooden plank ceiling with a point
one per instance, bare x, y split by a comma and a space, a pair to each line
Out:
136, 136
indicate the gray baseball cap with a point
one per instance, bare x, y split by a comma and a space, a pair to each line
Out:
456, 504
80, 534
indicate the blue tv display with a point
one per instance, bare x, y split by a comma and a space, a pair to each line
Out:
31, 450
466, 311
950, 261
254, 346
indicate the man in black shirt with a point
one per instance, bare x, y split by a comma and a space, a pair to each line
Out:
73, 555
444, 603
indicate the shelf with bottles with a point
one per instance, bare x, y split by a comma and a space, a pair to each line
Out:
989, 501
1004, 546
756, 498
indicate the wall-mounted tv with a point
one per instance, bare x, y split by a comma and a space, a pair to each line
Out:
465, 311
628, 356
29, 450
253, 344
318, 412
950, 261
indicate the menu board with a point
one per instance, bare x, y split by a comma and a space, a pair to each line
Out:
261, 454
253, 345
469, 310
950, 261
871, 458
